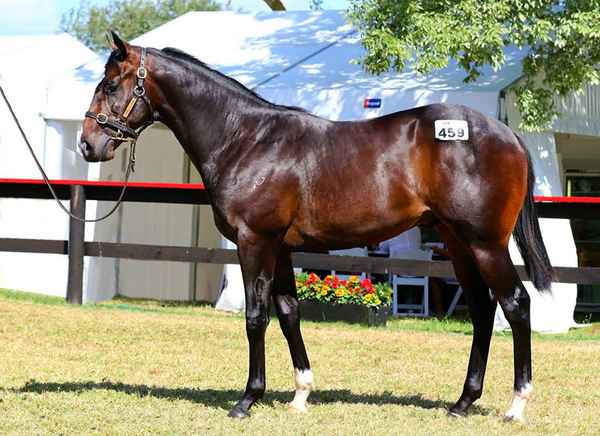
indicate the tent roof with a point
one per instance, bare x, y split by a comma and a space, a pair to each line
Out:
249, 47
334, 68
273, 51
41, 56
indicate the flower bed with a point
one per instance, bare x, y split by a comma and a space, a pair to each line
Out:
352, 300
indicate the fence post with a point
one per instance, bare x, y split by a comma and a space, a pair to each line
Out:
76, 246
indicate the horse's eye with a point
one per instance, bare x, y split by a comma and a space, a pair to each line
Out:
110, 87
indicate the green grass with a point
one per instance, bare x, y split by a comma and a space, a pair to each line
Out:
144, 367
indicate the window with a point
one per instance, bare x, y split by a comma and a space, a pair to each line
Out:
586, 232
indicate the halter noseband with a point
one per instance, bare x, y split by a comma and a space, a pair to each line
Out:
119, 123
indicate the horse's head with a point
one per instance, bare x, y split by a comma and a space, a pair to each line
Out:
120, 107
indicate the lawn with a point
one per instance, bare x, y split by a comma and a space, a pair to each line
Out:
138, 367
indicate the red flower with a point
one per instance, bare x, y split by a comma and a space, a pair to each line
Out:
336, 282
368, 286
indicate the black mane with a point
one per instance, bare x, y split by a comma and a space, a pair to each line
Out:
223, 79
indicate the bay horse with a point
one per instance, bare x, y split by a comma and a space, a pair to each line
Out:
276, 176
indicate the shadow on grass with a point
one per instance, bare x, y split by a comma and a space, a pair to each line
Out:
226, 398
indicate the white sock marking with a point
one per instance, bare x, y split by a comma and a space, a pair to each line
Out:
303, 379
519, 402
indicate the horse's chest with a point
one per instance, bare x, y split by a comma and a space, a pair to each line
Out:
225, 219
224, 225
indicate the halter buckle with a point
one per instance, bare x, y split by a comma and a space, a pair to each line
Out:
101, 118
138, 91
142, 73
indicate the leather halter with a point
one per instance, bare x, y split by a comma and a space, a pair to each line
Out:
118, 123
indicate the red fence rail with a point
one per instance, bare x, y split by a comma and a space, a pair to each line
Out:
195, 193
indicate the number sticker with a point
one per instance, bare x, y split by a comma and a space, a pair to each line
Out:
451, 130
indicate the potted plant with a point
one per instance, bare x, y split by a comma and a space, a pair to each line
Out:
352, 300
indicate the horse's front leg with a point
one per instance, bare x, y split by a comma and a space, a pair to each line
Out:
257, 258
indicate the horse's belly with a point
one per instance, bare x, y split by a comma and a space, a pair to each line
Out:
348, 228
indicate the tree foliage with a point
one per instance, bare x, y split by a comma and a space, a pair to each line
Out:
89, 23
562, 38
316, 5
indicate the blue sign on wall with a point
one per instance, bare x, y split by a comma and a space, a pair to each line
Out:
372, 103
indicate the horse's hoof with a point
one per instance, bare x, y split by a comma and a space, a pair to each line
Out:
301, 408
453, 413
513, 418
239, 413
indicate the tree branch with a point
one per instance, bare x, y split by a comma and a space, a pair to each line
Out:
275, 5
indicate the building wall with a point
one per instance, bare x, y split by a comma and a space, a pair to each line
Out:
573, 130
158, 159
579, 112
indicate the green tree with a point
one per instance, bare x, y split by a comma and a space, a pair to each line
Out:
562, 37
89, 23
316, 5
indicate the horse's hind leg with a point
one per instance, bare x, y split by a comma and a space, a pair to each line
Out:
481, 308
500, 274
286, 305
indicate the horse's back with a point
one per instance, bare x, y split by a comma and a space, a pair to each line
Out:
479, 124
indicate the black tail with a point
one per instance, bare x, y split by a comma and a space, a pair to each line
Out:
529, 238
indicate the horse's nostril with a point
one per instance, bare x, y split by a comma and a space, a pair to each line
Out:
85, 148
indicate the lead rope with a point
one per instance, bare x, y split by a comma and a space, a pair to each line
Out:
130, 169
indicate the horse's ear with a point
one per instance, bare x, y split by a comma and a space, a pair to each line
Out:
117, 44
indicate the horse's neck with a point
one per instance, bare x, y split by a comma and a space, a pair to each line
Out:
209, 121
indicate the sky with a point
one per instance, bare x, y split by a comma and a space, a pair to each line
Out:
26, 17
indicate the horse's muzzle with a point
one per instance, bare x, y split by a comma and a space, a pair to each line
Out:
87, 151
90, 153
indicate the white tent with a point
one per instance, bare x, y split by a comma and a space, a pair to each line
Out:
303, 59
28, 64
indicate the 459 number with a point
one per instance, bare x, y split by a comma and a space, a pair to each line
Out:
451, 130
451, 133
